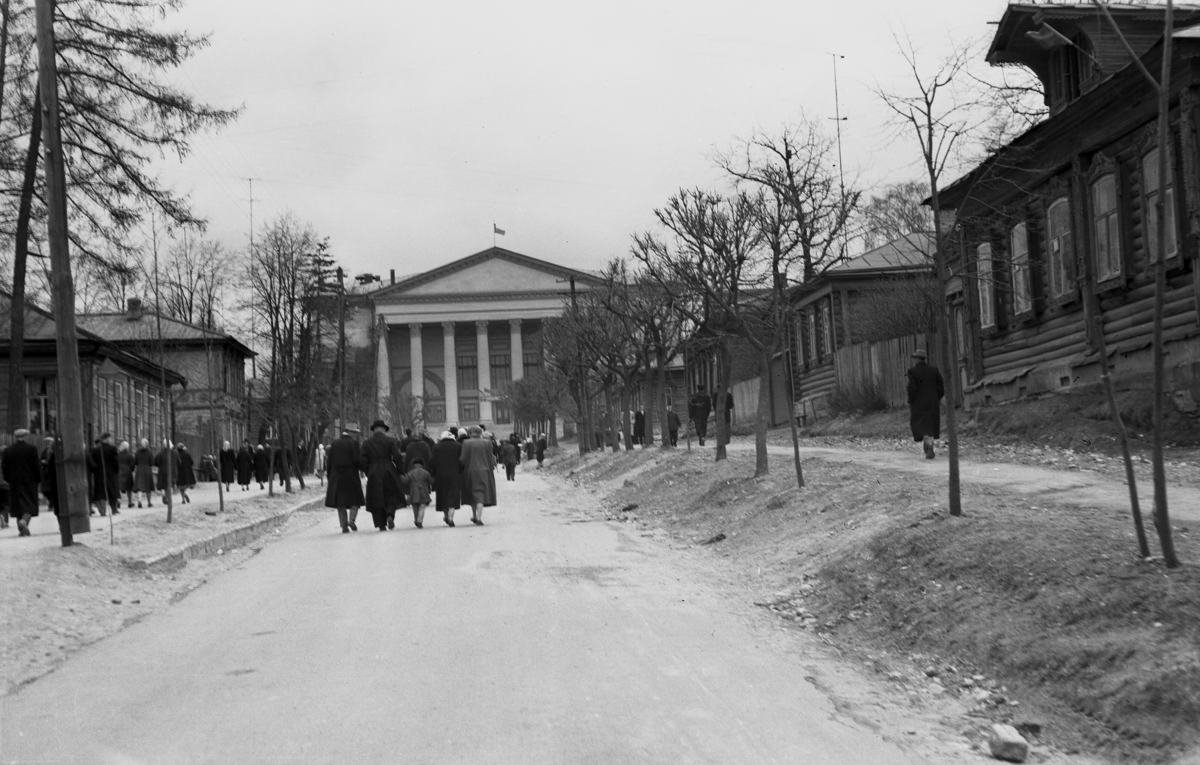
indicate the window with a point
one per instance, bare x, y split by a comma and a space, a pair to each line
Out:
987, 288
139, 413
533, 362
468, 411
121, 417
811, 316
1070, 65
1022, 286
826, 329
43, 404
435, 411
1062, 246
468, 373
501, 413
1150, 193
501, 369
1107, 228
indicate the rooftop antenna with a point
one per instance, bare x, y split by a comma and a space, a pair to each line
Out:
251, 182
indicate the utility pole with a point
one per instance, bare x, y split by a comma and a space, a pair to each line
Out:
341, 277
585, 433
162, 375
73, 502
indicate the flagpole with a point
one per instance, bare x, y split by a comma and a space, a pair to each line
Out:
493, 233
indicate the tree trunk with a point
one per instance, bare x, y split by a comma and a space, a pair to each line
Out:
725, 371
660, 355
17, 410
626, 426
611, 434
761, 465
648, 407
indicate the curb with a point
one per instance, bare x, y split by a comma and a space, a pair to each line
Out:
176, 557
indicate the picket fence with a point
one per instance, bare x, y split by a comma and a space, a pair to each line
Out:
882, 364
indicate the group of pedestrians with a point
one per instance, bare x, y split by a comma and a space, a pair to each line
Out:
251, 464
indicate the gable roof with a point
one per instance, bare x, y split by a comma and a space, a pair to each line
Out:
911, 252
142, 327
491, 253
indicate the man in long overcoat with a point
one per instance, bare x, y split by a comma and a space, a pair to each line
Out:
447, 477
227, 460
479, 479
344, 491
699, 405
106, 472
22, 468
382, 460
244, 462
925, 392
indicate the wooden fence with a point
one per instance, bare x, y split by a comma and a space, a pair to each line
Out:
882, 364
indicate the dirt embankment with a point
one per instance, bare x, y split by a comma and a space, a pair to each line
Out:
1037, 614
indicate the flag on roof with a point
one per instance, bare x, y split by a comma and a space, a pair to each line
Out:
497, 230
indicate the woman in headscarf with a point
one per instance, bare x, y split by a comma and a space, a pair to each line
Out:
446, 474
262, 466
228, 463
143, 472
167, 462
125, 465
187, 475
245, 466
479, 480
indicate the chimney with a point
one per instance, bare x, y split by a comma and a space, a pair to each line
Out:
133, 310
393, 276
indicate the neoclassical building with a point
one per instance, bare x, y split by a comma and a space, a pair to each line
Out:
447, 337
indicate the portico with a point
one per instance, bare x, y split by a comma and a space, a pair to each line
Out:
451, 338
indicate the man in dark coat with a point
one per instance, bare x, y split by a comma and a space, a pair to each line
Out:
447, 480
344, 491
639, 426
22, 469
228, 460
262, 466
699, 405
673, 424
541, 449
244, 463
925, 392
382, 459
106, 472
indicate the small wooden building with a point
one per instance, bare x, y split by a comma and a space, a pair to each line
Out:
1056, 231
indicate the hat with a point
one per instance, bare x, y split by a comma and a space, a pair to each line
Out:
445, 434
20, 432
920, 354
380, 424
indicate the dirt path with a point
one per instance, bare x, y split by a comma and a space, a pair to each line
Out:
1083, 488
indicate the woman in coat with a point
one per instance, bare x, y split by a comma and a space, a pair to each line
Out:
143, 472
382, 459
125, 472
167, 462
228, 461
446, 474
262, 466
245, 466
479, 480
187, 474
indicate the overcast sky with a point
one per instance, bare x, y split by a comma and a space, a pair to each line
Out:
402, 130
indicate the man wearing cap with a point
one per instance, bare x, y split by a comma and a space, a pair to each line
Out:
382, 460
925, 392
344, 490
22, 469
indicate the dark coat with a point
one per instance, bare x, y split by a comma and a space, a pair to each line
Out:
187, 475
639, 426
161, 462
382, 459
228, 459
22, 468
345, 461
673, 422
419, 485
106, 484
143, 474
508, 453
245, 466
529, 448
125, 470
262, 466
541, 450
417, 450
699, 405
925, 391
478, 466
447, 475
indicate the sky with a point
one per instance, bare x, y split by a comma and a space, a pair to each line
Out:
403, 131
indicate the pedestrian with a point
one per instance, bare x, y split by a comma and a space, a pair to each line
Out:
447, 476
416, 449
244, 465
479, 480
262, 466
319, 463
418, 483
699, 405
143, 472
125, 472
381, 459
508, 456
167, 462
925, 392
673, 425
529, 448
344, 491
540, 450
187, 474
3, 494
639, 426
228, 460
106, 473
22, 469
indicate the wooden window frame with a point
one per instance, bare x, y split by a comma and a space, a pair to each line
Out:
1150, 215
1109, 226
1020, 270
986, 286
1060, 252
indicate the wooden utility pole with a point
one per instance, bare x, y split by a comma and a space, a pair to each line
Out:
341, 276
162, 378
73, 504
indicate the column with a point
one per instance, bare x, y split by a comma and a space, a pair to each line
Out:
518, 350
416, 357
450, 369
383, 375
484, 361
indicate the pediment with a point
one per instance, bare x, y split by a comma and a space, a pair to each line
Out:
488, 276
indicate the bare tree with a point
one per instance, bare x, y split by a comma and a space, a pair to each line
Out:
195, 275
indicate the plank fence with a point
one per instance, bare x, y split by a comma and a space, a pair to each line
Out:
882, 365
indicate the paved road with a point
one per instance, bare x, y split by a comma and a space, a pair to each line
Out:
542, 637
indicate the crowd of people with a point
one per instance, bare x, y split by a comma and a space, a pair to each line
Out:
415, 471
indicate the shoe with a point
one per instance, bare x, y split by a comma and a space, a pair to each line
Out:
391, 524
91, 513
418, 523
450, 524
352, 526
148, 504
929, 451
139, 505
477, 522
345, 530
22, 528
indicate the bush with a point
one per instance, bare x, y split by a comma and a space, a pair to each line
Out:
862, 396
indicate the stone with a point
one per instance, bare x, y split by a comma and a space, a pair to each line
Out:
1006, 743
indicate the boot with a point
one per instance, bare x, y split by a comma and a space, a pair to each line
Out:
343, 520
353, 518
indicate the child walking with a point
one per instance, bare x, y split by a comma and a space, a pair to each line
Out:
418, 484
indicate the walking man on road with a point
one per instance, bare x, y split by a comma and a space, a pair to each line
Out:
925, 392
699, 405
22, 469
344, 491
382, 461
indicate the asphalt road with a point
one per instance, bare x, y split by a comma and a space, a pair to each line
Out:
542, 637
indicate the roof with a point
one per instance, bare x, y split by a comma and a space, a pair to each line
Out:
1142, 22
907, 252
143, 327
491, 253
